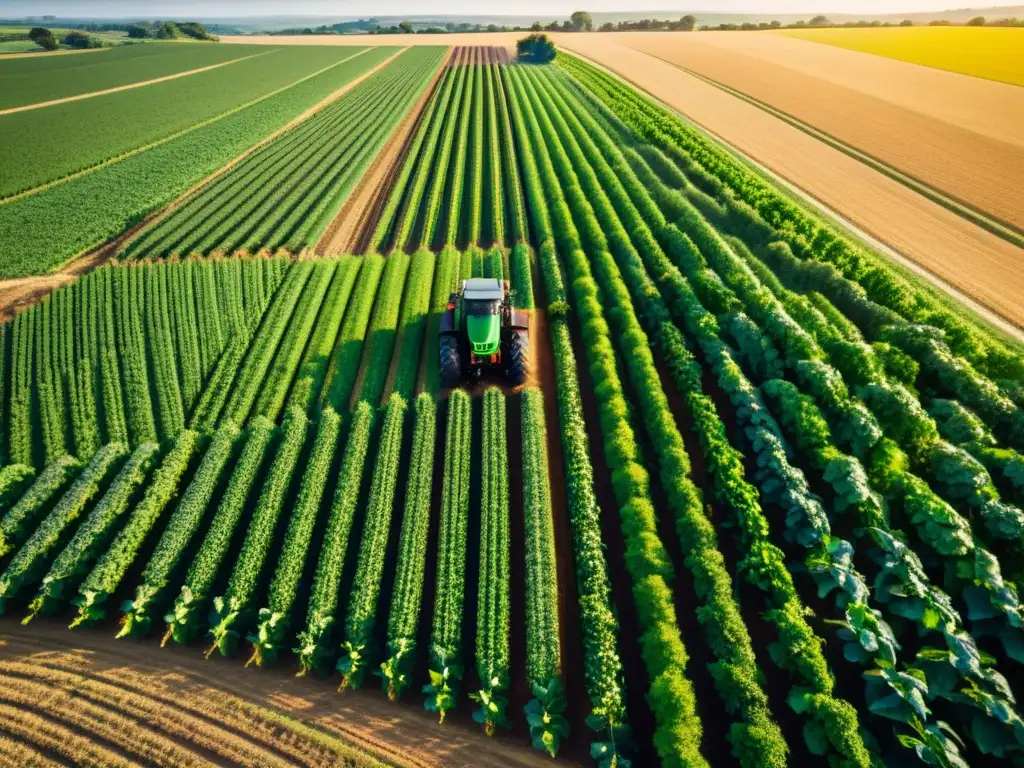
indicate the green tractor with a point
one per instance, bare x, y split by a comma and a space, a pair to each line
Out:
481, 331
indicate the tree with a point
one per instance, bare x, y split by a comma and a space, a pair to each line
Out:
906, 23
688, 22
76, 39
776, 24
821, 21
167, 31
492, 27
44, 38
607, 27
406, 27
137, 32
977, 21
535, 49
536, 26
582, 21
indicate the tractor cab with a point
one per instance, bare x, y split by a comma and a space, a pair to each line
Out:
480, 331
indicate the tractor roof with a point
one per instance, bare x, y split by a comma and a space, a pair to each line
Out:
483, 289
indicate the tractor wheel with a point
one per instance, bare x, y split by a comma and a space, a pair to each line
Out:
518, 357
451, 364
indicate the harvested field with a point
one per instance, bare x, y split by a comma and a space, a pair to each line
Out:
982, 171
978, 263
992, 53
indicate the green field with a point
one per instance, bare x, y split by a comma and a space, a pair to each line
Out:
992, 53
28, 82
759, 501
43, 145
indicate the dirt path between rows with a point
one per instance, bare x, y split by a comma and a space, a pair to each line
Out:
402, 734
946, 246
358, 216
129, 86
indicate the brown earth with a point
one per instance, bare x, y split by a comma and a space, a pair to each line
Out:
358, 216
981, 265
84, 695
128, 87
978, 169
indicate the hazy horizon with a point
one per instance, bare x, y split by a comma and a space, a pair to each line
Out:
251, 8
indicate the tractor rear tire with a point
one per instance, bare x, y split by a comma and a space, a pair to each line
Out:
518, 356
451, 363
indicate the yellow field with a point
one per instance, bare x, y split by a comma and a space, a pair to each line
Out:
993, 53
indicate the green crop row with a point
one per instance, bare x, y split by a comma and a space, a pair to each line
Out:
93, 535
312, 372
406, 598
275, 620
599, 626
381, 336
495, 188
357, 647
449, 593
182, 526
455, 207
411, 325
671, 696
245, 575
31, 555
492, 613
103, 580
545, 712
183, 619
315, 646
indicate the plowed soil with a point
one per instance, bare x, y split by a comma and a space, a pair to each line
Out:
975, 262
971, 165
140, 704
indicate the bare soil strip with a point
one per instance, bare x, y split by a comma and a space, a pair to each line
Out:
182, 132
128, 87
358, 216
247, 704
945, 245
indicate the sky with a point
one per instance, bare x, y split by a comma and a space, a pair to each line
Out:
215, 8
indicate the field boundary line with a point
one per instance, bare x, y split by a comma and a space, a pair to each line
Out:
985, 316
173, 136
976, 216
334, 241
130, 86
164, 212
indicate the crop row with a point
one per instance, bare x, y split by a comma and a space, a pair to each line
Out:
492, 629
603, 671
458, 182
287, 193
51, 226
